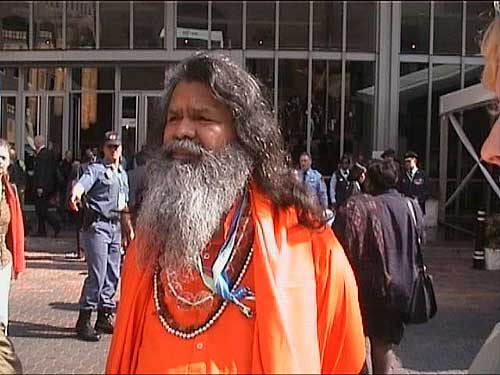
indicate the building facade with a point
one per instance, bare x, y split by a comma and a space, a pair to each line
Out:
343, 77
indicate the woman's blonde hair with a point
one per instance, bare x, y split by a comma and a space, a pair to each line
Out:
490, 49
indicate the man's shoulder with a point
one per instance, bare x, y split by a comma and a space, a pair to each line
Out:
315, 173
96, 166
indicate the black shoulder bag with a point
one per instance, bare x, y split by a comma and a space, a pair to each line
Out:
423, 304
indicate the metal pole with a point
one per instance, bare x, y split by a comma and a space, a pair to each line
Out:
478, 256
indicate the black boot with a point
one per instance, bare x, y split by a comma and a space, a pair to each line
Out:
84, 329
105, 321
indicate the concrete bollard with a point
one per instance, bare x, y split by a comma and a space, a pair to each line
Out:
478, 257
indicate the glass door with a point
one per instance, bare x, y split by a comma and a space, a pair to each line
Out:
8, 118
90, 117
129, 123
54, 123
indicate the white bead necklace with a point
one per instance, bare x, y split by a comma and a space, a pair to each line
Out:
189, 334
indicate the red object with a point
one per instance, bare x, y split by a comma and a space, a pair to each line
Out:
15, 234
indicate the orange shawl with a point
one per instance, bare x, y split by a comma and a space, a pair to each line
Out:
15, 234
307, 312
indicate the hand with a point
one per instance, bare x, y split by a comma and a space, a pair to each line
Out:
128, 233
39, 192
73, 203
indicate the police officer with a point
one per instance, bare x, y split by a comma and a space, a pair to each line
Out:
312, 179
339, 183
106, 187
413, 183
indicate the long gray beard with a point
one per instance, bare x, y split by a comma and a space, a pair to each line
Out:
184, 202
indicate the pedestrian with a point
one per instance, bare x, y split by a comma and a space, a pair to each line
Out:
359, 230
356, 178
12, 261
414, 183
105, 186
339, 183
231, 259
400, 224
313, 180
45, 183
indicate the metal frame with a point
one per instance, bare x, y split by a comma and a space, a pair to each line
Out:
449, 105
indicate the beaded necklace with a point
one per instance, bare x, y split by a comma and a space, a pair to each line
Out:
163, 314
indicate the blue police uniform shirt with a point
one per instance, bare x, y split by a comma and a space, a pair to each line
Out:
314, 182
107, 189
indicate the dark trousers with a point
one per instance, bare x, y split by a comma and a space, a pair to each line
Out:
44, 215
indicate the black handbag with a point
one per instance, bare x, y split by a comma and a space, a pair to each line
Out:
423, 305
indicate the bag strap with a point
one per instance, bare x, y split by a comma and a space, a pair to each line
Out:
419, 256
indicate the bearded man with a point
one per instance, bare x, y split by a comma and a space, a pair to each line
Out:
232, 269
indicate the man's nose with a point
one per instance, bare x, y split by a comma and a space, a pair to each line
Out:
186, 128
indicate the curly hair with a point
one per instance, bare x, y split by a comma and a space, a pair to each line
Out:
256, 128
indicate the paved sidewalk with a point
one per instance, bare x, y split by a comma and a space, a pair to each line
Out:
44, 310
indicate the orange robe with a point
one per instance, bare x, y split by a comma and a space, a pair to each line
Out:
307, 312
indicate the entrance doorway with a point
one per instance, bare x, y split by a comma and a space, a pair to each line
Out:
139, 122
43, 114
91, 116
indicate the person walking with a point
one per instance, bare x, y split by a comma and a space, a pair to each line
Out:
105, 184
45, 183
12, 261
400, 226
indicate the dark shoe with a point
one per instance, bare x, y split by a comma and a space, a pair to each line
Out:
84, 329
38, 234
57, 231
105, 321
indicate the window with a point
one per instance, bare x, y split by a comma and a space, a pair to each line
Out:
263, 69
47, 25
192, 25
8, 118
294, 25
361, 26
445, 79
143, 78
149, 28
14, 25
413, 94
92, 78
8, 79
80, 24
448, 28
52, 79
292, 104
325, 115
415, 26
359, 108
114, 24
479, 16
226, 24
327, 28
260, 24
